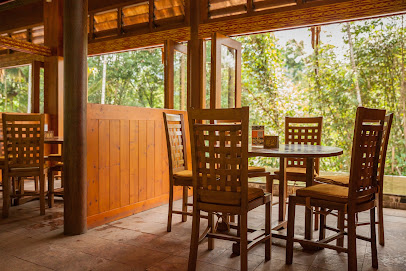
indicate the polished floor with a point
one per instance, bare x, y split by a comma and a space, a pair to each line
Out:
29, 241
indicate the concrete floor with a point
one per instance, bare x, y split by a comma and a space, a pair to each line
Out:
29, 241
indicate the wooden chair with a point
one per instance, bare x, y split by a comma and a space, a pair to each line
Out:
220, 179
304, 130
344, 180
23, 137
359, 196
179, 174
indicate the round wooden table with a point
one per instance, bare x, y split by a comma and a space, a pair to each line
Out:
309, 152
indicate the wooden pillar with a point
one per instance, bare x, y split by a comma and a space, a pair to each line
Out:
196, 57
35, 86
53, 66
169, 74
75, 111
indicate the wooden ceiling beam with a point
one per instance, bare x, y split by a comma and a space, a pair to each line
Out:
23, 17
306, 16
24, 46
18, 59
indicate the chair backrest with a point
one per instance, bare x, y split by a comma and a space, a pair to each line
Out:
175, 142
366, 150
23, 137
220, 155
384, 147
303, 131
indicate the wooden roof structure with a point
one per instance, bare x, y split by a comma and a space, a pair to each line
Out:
58, 36
116, 25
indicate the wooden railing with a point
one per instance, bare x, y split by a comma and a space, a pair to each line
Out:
127, 162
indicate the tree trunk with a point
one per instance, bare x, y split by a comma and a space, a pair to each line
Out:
402, 86
354, 67
103, 91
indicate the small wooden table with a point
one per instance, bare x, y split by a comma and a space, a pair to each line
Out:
295, 151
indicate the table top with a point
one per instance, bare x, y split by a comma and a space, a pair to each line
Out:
53, 140
296, 151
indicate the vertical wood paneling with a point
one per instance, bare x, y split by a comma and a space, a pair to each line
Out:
93, 167
142, 153
115, 164
125, 162
150, 159
104, 165
158, 158
134, 161
165, 165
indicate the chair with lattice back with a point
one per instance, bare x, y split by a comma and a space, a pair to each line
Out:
220, 178
23, 137
359, 196
307, 131
179, 174
344, 180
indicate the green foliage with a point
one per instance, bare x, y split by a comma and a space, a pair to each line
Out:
283, 80
14, 84
132, 78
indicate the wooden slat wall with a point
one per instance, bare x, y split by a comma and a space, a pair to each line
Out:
127, 164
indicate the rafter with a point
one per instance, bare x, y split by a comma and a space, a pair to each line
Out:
24, 46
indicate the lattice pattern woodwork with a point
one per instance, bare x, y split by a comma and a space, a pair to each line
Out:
303, 131
219, 158
175, 133
23, 140
366, 150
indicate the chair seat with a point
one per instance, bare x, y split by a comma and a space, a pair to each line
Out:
211, 197
336, 180
299, 172
256, 169
327, 192
183, 178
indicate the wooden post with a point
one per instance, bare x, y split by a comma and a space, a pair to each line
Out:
75, 111
53, 66
35, 87
169, 74
196, 57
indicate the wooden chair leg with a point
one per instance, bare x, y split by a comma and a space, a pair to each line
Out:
341, 227
6, 195
291, 230
36, 184
352, 241
373, 239
184, 203
194, 243
51, 183
268, 243
169, 226
381, 231
244, 242
232, 218
211, 225
322, 228
42, 194
316, 218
